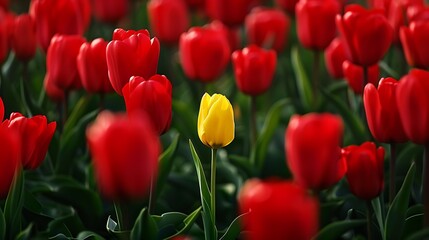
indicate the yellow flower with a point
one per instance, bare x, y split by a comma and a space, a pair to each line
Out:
216, 121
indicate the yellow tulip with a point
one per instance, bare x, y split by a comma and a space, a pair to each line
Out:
216, 121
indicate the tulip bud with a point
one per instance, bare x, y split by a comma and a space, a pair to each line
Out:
334, 58
277, 210
414, 40
216, 121
365, 167
1, 110
229, 12
131, 53
354, 75
254, 69
154, 96
24, 37
110, 11
125, 153
10, 156
315, 162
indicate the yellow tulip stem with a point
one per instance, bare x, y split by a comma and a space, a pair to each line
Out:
213, 185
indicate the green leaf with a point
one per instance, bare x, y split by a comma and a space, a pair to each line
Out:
378, 213
173, 224
396, 215
413, 224
13, 205
66, 225
268, 129
25, 234
165, 164
112, 229
144, 226
209, 226
336, 229
303, 83
234, 229
422, 234
383, 65
2, 225
88, 235
78, 111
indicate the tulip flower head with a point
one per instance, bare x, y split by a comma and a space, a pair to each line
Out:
10, 148
334, 57
216, 121
1, 110
354, 74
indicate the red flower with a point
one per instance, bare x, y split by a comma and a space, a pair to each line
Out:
204, 53
315, 162
35, 135
232, 34
414, 40
6, 27
354, 75
52, 17
254, 69
168, 19
92, 67
267, 28
125, 152
278, 210
382, 111
365, 169
131, 53
110, 11
366, 34
229, 12
24, 37
413, 105
1, 110
10, 156
154, 96
334, 58
61, 65
315, 22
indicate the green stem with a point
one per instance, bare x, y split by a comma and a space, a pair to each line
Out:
368, 219
365, 77
253, 127
426, 185
392, 173
151, 196
119, 215
213, 185
316, 73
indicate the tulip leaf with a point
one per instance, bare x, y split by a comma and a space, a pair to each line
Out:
78, 111
165, 164
88, 235
303, 83
173, 224
234, 229
25, 234
14, 204
144, 226
413, 224
67, 225
338, 228
112, 228
383, 65
376, 205
422, 234
2, 225
397, 212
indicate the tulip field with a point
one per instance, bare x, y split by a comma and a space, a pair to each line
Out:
214, 119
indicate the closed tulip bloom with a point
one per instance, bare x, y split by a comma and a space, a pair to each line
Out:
366, 34
229, 12
382, 111
268, 28
131, 53
61, 66
10, 157
254, 69
315, 162
92, 67
354, 75
216, 121
68, 17
24, 40
35, 134
168, 19
365, 167
154, 96
110, 11
125, 153
287, 5
232, 34
414, 40
278, 210
413, 105
335, 55
315, 22
1, 110
204, 53
4, 40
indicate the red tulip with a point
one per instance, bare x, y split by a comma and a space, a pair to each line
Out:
24, 37
365, 167
315, 162
6, 27
354, 75
204, 53
68, 17
334, 58
315, 22
382, 111
278, 210
125, 152
154, 96
1, 110
35, 135
10, 156
110, 11
168, 19
413, 105
195, 4
229, 12
131, 53
4, 4
92, 67
366, 34
232, 34
267, 28
254, 69
414, 40
287, 5
61, 66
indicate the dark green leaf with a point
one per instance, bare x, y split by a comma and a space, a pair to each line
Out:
165, 164
234, 229
398, 210
336, 229
112, 228
85, 235
25, 234
378, 213
144, 227
13, 206
173, 224
422, 234
2, 225
78, 111
302, 81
